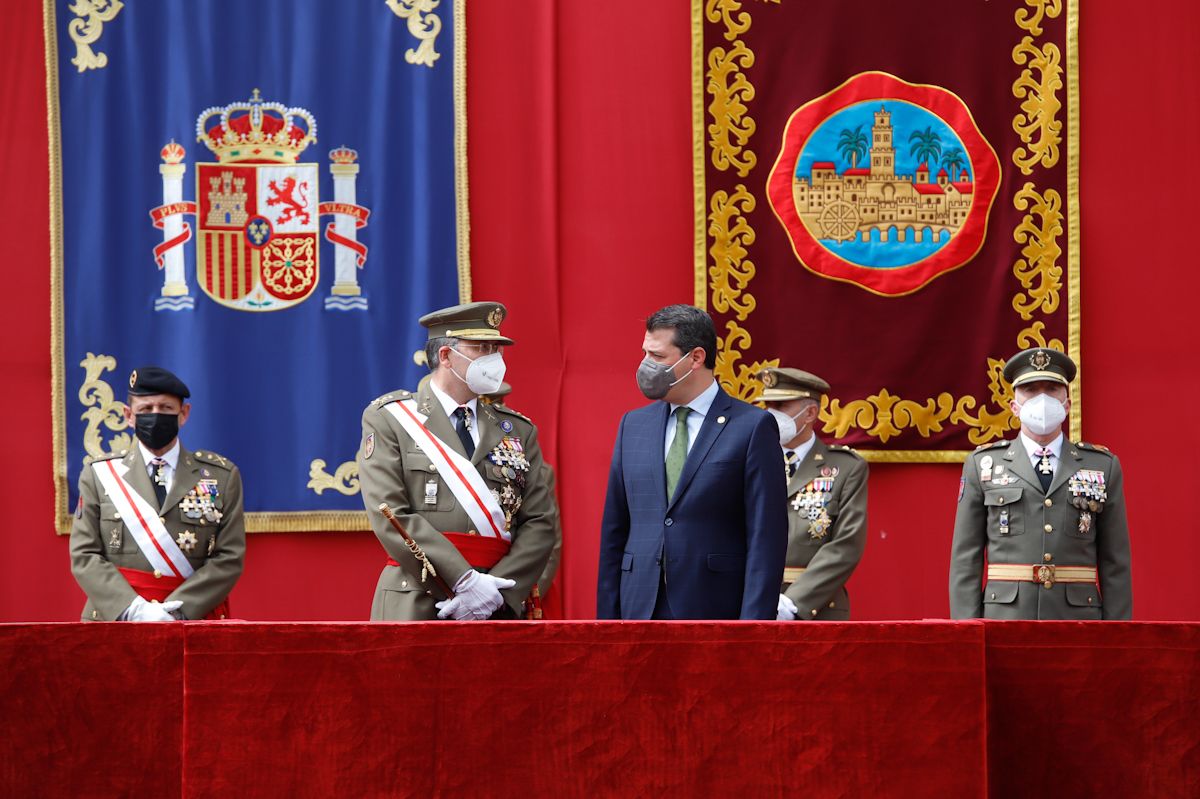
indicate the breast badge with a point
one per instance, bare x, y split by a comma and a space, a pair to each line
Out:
1087, 490
187, 541
811, 501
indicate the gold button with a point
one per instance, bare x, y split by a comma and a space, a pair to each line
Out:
1089, 600
1047, 557
831, 605
814, 611
157, 574
1049, 528
993, 596
472, 532
433, 467
1000, 501
404, 583
1047, 584
153, 601
162, 519
222, 615
1049, 502
95, 615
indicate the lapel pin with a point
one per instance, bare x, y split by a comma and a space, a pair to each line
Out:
720, 420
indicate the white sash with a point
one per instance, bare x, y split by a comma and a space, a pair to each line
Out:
460, 474
143, 522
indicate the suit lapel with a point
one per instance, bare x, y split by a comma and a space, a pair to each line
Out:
187, 474
1019, 464
657, 434
809, 468
709, 431
137, 476
1068, 464
489, 432
438, 422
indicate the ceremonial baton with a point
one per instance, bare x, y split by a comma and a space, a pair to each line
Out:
418, 553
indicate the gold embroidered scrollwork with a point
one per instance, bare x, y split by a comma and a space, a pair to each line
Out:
102, 410
1032, 20
1037, 123
423, 24
1037, 269
344, 480
731, 127
726, 12
731, 271
85, 30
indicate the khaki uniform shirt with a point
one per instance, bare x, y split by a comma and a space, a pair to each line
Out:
392, 469
101, 542
1004, 513
830, 546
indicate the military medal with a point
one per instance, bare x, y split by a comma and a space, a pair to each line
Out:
186, 540
1004, 522
1085, 523
985, 469
431, 491
212, 544
506, 425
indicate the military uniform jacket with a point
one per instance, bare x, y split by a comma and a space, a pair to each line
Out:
1011, 520
392, 469
100, 541
832, 479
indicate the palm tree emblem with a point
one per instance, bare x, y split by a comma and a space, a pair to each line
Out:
928, 145
852, 144
954, 160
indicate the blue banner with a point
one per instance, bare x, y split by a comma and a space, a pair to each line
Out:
262, 196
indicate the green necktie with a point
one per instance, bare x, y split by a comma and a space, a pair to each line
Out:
678, 452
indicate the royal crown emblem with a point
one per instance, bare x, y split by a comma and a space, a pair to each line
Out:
769, 380
257, 213
495, 317
256, 131
1039, 360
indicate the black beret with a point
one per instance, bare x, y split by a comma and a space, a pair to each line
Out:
147, 380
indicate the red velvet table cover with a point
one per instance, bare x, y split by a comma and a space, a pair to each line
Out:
600, 709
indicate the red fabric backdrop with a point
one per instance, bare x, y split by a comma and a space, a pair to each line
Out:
581, 204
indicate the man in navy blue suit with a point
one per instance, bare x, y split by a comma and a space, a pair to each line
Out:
695, 522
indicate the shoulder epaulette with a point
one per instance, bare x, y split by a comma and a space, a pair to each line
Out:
505, 409
391, 396
108, 456
213, 458
1094, 447
992, 445
846, 449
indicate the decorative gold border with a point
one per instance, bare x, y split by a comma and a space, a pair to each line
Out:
256, 522
1030, 336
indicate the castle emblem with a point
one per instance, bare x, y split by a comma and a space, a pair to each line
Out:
257, 212
884, 183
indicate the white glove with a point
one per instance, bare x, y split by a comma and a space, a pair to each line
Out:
786, 610
476, 596
141, 610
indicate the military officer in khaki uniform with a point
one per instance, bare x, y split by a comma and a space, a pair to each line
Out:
827, 498
1048, 513
158, 533
544, 582
462, 476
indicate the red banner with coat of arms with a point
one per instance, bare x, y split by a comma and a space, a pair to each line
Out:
886, 196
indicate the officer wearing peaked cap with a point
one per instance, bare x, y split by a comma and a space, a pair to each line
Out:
1048, 513
463, 477
827, 501
158, 533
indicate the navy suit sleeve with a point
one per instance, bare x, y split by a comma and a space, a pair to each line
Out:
765, 492
614, 532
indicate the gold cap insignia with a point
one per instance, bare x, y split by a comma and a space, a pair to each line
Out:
133, 378
769, 379
1040, 360
495, 317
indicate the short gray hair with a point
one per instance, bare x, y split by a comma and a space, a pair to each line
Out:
433, 346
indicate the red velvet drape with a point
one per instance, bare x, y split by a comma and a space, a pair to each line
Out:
581, 211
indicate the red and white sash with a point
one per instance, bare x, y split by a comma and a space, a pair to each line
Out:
460, 474
143, 522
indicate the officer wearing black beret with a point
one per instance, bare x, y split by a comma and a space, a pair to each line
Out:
159, 532
1048, 513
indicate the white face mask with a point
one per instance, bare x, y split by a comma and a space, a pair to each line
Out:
485, 374
1043, 414
787, 425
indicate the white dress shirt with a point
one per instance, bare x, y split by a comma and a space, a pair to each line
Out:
1031, 448
171, 456
699, 407
451, 405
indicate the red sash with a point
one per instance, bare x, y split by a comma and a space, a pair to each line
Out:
153, 588
481, 551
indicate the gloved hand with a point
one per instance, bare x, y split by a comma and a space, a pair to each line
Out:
476, 596
141, 610
786, 610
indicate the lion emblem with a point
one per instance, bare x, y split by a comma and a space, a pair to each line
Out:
286, 195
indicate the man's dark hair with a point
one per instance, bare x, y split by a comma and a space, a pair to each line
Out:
692, 328
431, 349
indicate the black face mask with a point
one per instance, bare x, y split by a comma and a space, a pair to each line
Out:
156, 430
